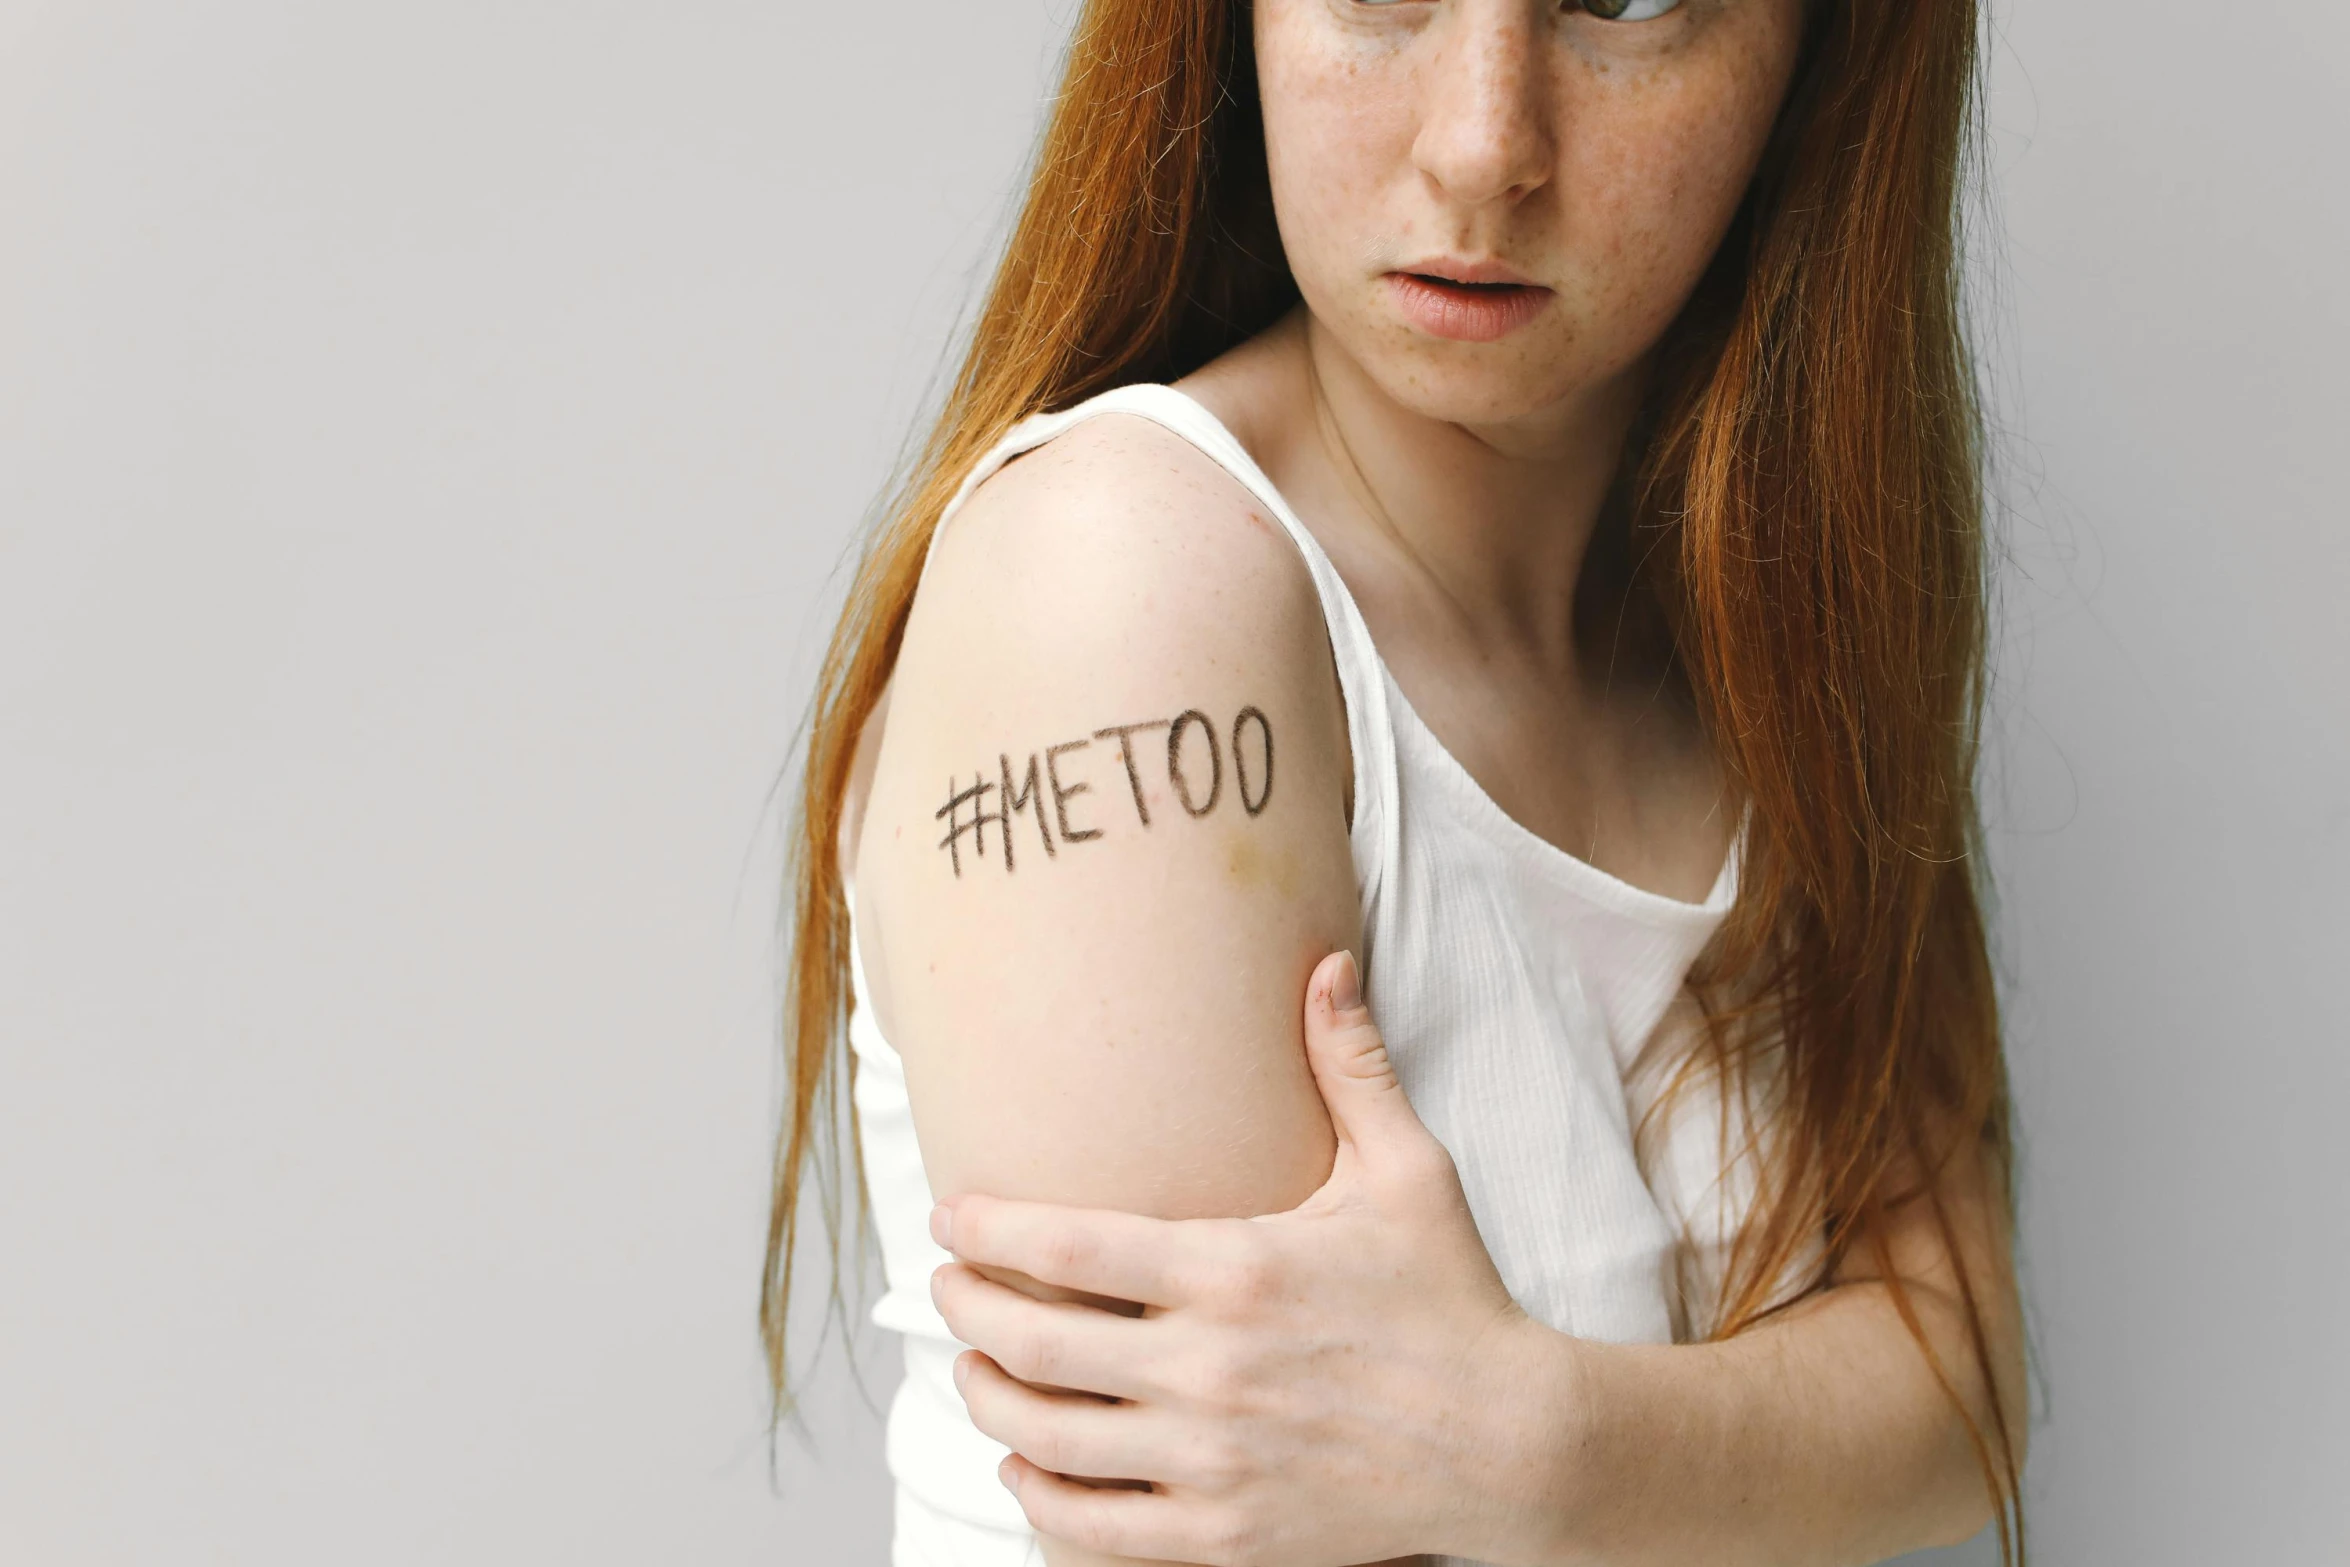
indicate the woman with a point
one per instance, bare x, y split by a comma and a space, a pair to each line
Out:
1491, 487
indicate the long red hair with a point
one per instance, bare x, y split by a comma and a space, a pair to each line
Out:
1805, 490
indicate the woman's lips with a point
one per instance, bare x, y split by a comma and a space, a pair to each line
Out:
1466, 312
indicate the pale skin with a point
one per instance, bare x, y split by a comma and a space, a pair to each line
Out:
1104, 1044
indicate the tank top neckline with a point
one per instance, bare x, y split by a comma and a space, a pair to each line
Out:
1185, 415
1498, 826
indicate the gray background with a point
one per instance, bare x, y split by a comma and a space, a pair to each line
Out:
428, 438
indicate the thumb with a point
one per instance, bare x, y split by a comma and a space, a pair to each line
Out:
1349, 1060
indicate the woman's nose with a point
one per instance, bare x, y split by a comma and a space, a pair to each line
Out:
1485, 132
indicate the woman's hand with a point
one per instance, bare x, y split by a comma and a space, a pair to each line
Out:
1338, 1383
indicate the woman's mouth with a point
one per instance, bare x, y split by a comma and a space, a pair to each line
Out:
1469, 304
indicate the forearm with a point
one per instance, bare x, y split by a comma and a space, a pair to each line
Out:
1060, 1553
1821, 1438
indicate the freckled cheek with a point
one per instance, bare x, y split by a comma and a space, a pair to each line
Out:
1649, 205
1335, 140
1638, 237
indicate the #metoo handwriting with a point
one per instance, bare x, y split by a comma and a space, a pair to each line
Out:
1196, 754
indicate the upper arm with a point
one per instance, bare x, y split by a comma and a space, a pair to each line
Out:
1092, 953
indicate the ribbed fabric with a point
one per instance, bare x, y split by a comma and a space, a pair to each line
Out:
1518, 988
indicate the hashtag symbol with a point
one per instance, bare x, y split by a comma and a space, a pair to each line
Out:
972, 801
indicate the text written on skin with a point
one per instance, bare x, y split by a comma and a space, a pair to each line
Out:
1198, 754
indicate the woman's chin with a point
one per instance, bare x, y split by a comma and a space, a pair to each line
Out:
1497, 388
1530, 378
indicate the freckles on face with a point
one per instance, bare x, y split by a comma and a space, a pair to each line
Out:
1338, 109
1601, 160
1656, 157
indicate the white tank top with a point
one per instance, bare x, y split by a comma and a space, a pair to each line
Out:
1516, 986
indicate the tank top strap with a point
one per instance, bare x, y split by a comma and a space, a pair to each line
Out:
1362, 675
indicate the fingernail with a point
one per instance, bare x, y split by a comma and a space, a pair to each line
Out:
938, 1287
1010, 1476
1346, 986
962, 1371
942, 1225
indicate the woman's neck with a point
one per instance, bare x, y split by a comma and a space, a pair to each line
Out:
1494, 521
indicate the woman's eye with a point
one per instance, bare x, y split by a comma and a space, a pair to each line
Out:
1623, 10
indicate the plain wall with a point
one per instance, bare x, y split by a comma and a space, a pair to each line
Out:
429, 437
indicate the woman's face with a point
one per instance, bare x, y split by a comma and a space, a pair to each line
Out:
1583, 169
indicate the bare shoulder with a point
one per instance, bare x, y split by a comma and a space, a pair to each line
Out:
1120, 528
